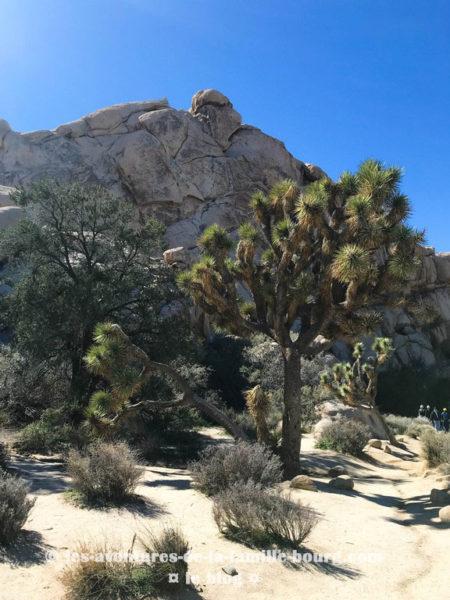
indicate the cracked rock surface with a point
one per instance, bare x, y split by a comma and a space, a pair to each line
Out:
189, 168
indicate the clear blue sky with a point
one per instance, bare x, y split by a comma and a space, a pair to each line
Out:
337, 80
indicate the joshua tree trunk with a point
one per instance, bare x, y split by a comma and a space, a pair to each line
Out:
378, 424
291, 429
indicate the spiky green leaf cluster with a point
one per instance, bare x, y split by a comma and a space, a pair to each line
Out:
323, 255
355, 383
109, 358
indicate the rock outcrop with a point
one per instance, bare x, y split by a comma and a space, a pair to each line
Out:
190, 169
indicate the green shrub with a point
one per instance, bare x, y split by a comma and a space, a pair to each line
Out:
345, 436
4, 456
221, 466
418, 427
50, 434
247, 513
398, 424
435, 447
90, 579
28, 387
14, 507
105, 472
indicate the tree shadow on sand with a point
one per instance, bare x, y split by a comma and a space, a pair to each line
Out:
136, 504
321, 564
318, 464
418, 510
29, 549
383, 500
43, 476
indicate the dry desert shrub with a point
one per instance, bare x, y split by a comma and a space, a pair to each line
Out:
436, 448
14, 507
100, 575
247, 513
345, 436
105, 471
221, 466
4, 456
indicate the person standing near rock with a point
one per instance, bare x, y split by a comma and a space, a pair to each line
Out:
428, 412
445, 420
421, 413
435, 419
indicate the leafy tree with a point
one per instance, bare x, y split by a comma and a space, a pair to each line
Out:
356, 383
312, 269
18, 377
127, 369
83, 260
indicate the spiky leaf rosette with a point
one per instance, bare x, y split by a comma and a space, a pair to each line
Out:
316, 256
355, 383
351, 263
109, 358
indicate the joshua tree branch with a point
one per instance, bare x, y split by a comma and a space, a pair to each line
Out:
188, 397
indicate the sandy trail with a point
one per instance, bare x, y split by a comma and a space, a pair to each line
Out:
384, 537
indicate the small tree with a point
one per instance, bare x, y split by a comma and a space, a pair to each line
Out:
82, 260
356, 383
312, 269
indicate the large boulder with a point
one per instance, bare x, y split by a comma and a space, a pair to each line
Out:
334, 410
9, 215
5, 199
444, 514
303, 482
191, 168
342, 482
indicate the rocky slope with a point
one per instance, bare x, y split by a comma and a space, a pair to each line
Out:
190, 169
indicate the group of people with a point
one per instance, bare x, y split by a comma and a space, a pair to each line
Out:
440, 420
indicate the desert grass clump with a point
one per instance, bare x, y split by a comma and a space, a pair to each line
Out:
418, 427
256, 517
345, 436
436, 448
105, 472
398, 424
14, 507
46, 436
221, 466
4, 456
96, 576
99, 576
172, 543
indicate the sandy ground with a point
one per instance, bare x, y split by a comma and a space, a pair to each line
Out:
384, 537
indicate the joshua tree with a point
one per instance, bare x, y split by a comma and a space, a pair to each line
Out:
356, 383
258, 404
311, 268
127, 368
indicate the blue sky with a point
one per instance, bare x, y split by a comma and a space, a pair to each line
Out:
337, 80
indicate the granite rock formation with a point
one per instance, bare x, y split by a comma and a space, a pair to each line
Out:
193, 168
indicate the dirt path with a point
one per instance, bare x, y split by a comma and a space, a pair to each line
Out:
384, 537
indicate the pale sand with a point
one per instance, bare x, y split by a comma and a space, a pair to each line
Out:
387, 537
